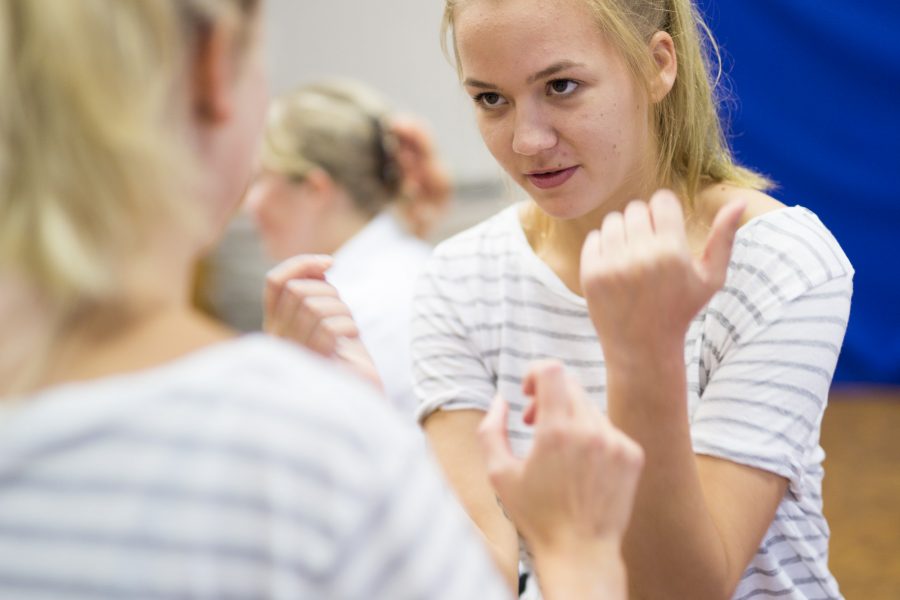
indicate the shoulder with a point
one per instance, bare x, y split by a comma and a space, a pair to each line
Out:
300, 422
254, 396
283, 441
477, 257
779, 238
715, 196
481, 254
786, 267
278, 374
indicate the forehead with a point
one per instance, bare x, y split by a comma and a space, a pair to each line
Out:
523, 34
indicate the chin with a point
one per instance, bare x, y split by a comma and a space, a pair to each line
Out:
562, 206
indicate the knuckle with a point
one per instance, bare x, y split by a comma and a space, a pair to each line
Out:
555, 436
297, 287
628, 451
550, 367
636, 456
308, 303
611, 219
597, 442
636, 207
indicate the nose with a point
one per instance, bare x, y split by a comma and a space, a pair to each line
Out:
533, 132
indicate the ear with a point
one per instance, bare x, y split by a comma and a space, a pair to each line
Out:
213, 72
321, 187
662, 49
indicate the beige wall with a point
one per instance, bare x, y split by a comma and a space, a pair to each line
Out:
394, 46
391, 44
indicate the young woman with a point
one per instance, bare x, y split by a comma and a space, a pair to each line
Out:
148, 452
706, 322
341, 175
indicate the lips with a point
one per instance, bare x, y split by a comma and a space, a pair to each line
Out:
551, 179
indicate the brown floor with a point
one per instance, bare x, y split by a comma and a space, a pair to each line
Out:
861, 437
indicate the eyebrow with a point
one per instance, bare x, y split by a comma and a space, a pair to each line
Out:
543, 73
554, 69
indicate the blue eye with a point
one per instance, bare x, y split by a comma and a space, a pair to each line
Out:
561, 87
489, 99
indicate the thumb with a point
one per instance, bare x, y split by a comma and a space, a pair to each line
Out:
547, 381
492, 434
717, 253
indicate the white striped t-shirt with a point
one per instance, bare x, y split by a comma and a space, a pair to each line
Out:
246, 470
759, 360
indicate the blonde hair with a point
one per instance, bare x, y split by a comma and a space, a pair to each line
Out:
692, 148
342, 128
89, 163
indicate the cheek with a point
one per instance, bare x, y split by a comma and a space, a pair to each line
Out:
617, 132
272, 211
496, 137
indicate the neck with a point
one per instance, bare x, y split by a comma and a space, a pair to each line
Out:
343, 227
149, 321
558, 242
144, 341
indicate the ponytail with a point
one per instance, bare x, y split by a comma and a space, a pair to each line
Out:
348, 130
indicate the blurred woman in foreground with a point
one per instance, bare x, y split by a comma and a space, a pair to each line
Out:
149, 452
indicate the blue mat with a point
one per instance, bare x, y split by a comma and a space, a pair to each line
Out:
817, 108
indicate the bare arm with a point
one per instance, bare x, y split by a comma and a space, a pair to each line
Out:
454, 440
698, 521
572, 494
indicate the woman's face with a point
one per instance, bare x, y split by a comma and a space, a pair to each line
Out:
284, 213
555, 103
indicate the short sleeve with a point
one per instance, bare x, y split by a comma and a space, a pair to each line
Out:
771, 342
448, 369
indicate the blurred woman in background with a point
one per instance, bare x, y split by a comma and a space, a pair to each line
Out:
341, 175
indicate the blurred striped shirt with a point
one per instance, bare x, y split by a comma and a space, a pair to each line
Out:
249, 469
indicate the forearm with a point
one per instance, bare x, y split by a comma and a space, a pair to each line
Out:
596, 573
506, 561
673, 548
452, 438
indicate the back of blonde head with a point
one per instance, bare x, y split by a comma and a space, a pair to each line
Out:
341, 127
692, 148
90, 161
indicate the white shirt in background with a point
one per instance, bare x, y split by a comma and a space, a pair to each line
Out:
375, 273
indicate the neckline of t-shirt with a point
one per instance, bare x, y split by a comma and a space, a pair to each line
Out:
381, 227
548, 277
536, 266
